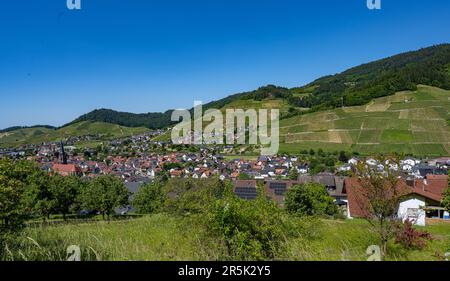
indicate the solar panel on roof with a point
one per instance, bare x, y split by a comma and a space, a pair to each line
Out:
280, 188
246, 193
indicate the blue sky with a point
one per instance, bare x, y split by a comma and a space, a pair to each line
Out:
153, 55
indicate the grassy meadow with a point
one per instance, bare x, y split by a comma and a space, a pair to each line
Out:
165, 237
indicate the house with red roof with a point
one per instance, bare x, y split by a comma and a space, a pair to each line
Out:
421, 199
66, 169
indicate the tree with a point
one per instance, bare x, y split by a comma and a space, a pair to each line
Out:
293, 174
310, 200
378, 195
343, 157
446, 200
194, 196
103, 194
150, 198
13, 181
64, 192
37, 196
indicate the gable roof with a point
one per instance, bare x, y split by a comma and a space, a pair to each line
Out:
65, 168
359, 206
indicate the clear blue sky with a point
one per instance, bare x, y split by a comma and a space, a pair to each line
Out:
152, 55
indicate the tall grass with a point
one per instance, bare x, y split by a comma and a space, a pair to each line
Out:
166, 237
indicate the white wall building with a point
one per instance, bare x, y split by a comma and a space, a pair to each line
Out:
412, 208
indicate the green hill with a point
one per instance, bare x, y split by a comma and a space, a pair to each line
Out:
413, 122
410, 122
36, 135
375, 107
356, 86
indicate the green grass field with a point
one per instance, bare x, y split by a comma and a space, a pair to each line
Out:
167, 238
408, 122
40, 135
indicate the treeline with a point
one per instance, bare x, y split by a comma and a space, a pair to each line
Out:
27, 192
147, 120
247, 230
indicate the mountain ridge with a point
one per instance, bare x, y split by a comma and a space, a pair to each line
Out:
355, 86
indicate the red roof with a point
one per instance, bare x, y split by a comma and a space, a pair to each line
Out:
66, 168
432, 188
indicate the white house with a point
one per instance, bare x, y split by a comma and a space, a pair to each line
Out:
422, 200
412, 208
354, 161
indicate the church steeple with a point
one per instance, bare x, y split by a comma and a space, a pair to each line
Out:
63, 154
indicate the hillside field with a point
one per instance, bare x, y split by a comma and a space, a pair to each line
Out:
40, 135
408, 122
164, 237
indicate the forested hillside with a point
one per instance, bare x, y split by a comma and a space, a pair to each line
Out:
359, 85
148, 120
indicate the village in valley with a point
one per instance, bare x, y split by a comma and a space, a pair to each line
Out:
226, 131
141, 159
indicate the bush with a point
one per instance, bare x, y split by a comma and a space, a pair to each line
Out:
250, 230
193, 196
310, 200
410, 238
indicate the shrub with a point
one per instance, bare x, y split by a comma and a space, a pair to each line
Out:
410, 238
193, 196
251, 230
310, 200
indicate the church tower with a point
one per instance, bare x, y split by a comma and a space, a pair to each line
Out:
63, 154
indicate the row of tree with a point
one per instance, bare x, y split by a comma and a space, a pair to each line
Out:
27, 191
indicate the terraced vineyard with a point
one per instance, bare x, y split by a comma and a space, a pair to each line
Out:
408, 122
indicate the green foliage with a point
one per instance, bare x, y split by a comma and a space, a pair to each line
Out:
378, 193
446, 200
310, 200
103, 194
38, 135
250, 230
64, 192
193, 196
293, 174
150, 198
343, 157
385, 77
37, 196
148, 120
14, 178
170, 166
244, 176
